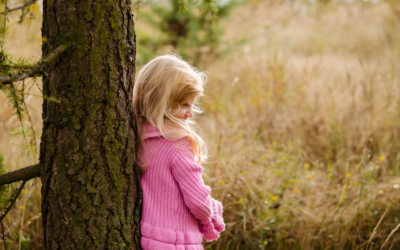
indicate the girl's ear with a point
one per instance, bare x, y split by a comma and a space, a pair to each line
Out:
175, 105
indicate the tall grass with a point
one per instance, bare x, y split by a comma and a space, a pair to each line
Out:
289, 118
302, 124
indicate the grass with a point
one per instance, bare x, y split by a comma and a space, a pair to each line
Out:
302, 125
289, 119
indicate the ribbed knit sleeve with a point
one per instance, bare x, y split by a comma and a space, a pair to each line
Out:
196, 194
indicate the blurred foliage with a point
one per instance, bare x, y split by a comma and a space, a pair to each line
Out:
9, 64
16, 101
395, 6
8, 193
190, 27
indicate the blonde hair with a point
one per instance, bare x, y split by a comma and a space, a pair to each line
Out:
164, 81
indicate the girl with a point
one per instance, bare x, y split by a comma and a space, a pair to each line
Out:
177, 207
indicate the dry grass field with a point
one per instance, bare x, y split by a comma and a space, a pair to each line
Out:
302, 124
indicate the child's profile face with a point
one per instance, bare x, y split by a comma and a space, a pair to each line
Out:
184, 109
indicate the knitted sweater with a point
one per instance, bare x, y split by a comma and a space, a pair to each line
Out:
177, 207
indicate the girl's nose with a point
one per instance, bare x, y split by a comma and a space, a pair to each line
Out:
189, 113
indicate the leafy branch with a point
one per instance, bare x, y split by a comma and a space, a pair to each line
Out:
16, 96
33, 71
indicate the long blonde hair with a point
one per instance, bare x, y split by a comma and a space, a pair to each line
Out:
164, 81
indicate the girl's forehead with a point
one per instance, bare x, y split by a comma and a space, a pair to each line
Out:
190, 98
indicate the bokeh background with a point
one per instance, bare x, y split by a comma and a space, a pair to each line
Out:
301, 117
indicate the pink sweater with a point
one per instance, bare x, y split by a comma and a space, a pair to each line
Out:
177, 207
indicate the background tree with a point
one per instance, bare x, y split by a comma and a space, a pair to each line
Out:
192, 33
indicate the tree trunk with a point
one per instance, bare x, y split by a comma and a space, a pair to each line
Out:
91, 195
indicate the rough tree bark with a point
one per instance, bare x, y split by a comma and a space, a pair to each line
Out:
91, 195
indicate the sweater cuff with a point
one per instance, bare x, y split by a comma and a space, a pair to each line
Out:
216, 218
209, 232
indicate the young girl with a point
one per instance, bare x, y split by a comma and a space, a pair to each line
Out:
177, 207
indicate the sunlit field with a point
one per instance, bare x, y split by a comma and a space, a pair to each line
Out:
302, 123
